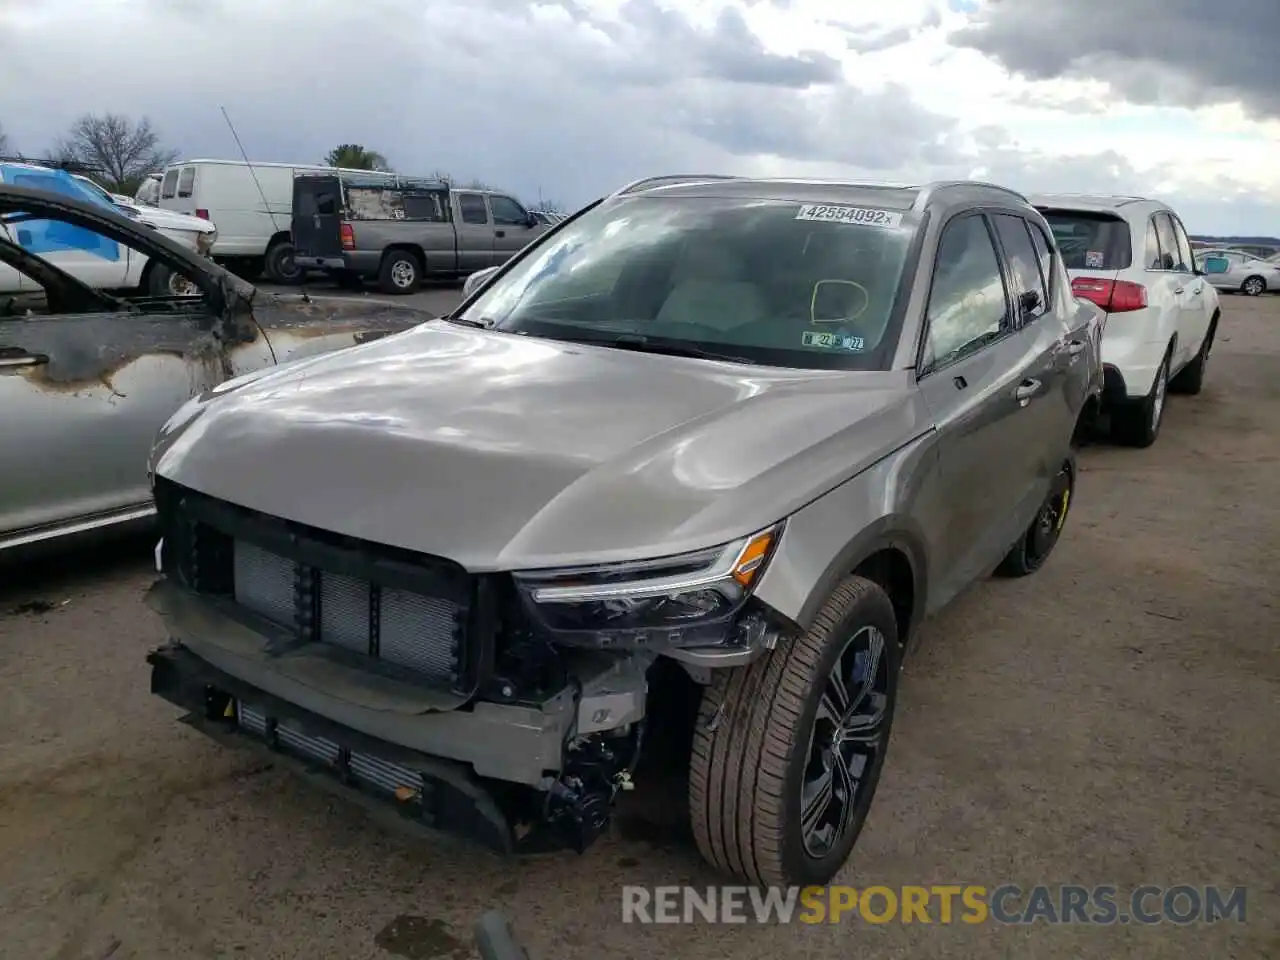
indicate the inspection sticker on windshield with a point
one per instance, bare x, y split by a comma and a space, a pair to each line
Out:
833, 341
859, 216
1093, 259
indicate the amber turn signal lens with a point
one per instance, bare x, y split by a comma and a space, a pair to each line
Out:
752, 558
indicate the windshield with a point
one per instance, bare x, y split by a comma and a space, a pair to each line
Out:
781, 283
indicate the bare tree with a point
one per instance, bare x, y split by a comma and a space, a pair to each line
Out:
120, 151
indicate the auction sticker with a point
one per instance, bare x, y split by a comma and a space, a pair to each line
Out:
834, 341
1093, 259
858, 216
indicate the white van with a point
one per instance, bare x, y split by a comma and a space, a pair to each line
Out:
253, 237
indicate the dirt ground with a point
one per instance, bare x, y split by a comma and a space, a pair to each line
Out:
1112, 719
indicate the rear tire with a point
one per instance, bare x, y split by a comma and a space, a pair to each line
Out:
1138, 424
1190, 380
1253, 286
400, 274
1038, 540
280, 267
778, 792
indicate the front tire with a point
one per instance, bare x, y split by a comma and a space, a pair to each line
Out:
1037, 541
787, 752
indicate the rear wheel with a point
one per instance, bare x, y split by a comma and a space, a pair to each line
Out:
787, 752
1037, 542
400, 272
280, 265
1138, 424
1190, 379
1253, 286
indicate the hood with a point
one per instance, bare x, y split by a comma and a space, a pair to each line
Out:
172, 220
503, 452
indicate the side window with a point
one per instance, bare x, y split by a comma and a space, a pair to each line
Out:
1185, 256
187, 182
1023, 263
507, 212
1044, 253
1168, 243
472, 207
1152, 255
170, 185
967, 300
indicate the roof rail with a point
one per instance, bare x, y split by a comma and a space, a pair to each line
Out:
669, 180
930, 189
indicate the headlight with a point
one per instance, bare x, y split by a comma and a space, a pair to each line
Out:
689, 600
204, 242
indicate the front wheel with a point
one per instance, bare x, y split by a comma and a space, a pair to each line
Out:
1253, 287
1037, 541
787, 752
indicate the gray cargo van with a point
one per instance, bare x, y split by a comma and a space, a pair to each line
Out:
405, 231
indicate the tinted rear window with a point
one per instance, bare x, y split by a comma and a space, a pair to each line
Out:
170, 184
1091, 241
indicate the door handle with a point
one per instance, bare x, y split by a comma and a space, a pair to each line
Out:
1198, 290
1026, 390
1178, 289
499, 233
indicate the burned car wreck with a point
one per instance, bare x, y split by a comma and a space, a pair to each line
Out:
87, 376
685, 473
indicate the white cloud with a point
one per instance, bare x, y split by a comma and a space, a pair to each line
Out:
573, 97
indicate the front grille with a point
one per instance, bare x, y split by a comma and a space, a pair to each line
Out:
402, 613
397, 627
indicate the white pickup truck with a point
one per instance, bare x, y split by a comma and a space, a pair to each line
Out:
93, 259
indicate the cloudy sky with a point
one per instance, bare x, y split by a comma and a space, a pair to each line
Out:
570, 98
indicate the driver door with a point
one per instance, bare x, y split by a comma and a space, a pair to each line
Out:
82, 396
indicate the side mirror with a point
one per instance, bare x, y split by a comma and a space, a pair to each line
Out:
24, 238
1216, 265
531, 219
1029, 302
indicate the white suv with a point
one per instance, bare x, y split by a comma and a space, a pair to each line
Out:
1131, 256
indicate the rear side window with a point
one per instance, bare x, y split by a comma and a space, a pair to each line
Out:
187, 182
1022, 261
472, 207
170, 185
1044, 253
1185, 258
1168, 243
1091, 241
1151, 247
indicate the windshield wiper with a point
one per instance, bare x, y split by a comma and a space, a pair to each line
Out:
671, 348
484, 323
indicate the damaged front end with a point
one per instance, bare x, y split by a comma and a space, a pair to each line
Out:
509, 710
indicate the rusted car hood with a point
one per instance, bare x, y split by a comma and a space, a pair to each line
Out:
299, 327
507, 452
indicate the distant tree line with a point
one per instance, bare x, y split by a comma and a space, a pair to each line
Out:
119, 152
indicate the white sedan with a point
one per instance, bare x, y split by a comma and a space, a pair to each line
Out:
1237, 270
